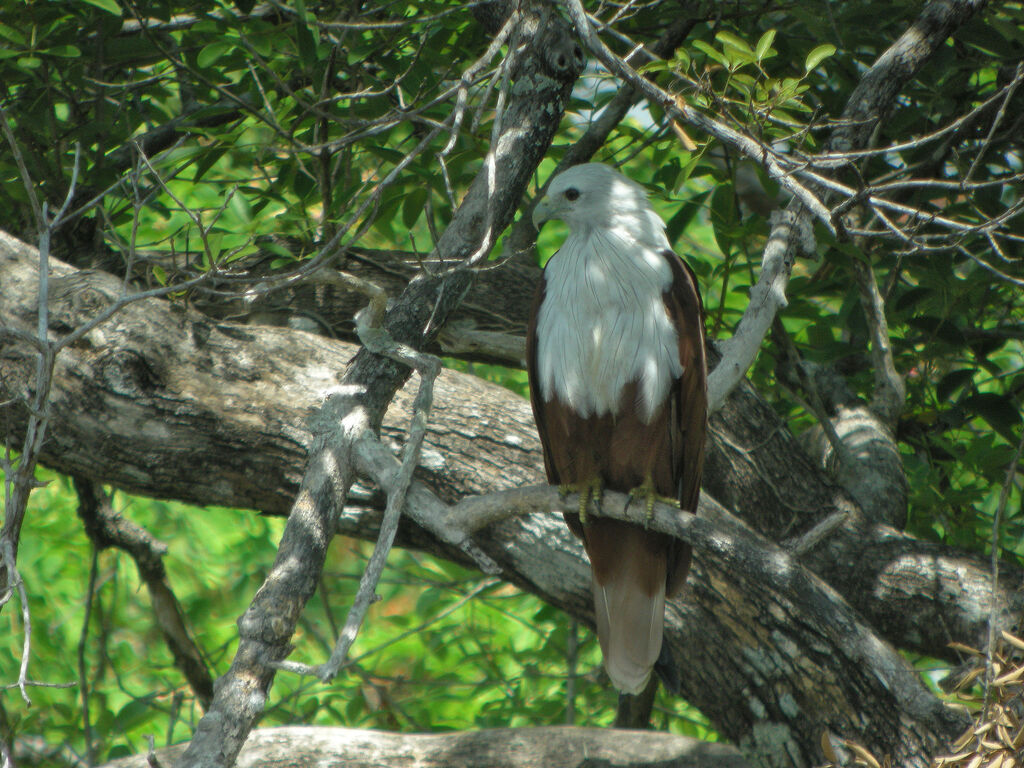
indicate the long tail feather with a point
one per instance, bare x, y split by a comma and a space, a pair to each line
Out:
628, 566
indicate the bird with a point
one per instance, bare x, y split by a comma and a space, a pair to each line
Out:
617, 369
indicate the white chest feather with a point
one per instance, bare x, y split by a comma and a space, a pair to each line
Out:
603, 324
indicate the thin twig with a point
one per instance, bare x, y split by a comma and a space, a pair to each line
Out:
26, 178
37, 684
377, 340
151, 759
480, 587
834, 159
890, 392
15, 582
1010, 90
83, 677
682, 112
864, 196
375, 461
572, 645
470, 74
813, 538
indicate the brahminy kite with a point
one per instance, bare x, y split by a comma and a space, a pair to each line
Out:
618, 380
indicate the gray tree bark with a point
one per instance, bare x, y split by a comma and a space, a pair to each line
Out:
295, 747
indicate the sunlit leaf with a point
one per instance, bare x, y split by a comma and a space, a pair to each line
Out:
763, 48
64, 51
110, 6
818, 55
210, 53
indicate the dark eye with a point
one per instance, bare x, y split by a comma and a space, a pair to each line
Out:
571, 194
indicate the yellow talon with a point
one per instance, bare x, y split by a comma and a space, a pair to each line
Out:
590, 490
646, 492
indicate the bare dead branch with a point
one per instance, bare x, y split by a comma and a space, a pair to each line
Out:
890, 392
1009, 91
107, 528
15, 582
83, 671
19, 483
379, 342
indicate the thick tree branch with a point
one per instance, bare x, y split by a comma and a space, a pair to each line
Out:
188, 393
731, 560
551, 747
180, 394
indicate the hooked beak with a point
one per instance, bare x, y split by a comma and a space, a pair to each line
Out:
543, 211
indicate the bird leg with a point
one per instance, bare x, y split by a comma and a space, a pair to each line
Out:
646, 492
589, 489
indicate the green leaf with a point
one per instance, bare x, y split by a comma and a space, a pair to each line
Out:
412, 206
658, 65
65, 51
818, 55
723, 216
727, 38
681, 60
939, 328
763, 47
820, 335
212, 52
110, 6
686, 213
735, 49
951, 382
135, 713
711, 52
305, 35
12, 35
912, 297
1001, 413
208, 160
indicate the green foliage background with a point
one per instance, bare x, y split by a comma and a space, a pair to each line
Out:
283, 140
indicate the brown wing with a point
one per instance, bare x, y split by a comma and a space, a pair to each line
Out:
536, 400
688, 403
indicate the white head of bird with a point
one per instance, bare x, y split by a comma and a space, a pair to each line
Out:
596, 196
